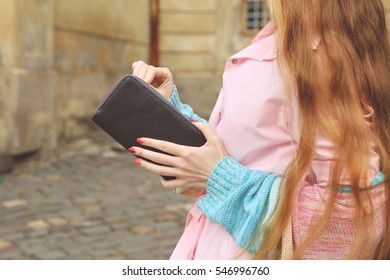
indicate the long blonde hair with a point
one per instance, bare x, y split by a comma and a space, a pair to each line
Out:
356, 53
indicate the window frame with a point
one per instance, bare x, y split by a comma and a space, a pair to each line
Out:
244, 18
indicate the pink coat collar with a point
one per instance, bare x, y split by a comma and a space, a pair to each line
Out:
262, 47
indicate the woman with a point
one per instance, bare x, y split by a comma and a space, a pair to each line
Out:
296, 143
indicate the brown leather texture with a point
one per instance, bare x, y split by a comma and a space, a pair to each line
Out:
133, 109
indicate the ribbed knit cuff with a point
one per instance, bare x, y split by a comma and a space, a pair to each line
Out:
175, 99
226, 176
240, 199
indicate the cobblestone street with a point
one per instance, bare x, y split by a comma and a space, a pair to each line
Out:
89, 201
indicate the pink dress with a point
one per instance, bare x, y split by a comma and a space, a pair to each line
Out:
261, 133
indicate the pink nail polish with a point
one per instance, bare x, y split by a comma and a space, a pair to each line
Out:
192, 121
138, 161
139, 140
131, 150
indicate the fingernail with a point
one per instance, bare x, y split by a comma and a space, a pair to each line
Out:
131, 150
192, 121
139, 140
138, 161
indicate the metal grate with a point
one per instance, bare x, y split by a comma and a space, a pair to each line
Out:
254, 12
255, 15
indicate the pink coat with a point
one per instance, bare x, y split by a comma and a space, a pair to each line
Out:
261, 133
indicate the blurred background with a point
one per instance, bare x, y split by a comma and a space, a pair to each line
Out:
67, 191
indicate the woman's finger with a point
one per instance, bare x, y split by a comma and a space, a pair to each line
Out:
140, 69
165, 146
205, 129
157, 169
146, 72
150, 75
135, 63
153, 156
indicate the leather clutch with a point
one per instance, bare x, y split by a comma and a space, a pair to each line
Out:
133, 109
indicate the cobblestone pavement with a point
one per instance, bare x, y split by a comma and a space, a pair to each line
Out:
89, 201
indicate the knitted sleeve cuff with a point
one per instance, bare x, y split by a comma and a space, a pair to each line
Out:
239, 199
226, 176
185, 109
175, 99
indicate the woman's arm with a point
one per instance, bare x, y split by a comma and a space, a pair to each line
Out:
238, 198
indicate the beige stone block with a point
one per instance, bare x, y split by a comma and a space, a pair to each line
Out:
73, 128
388, 21
142, 229
172, 22
78, 53
27, 122
110, 154
34, 34
188, 63
188, 43
137, 52
26, 32
97, 16
8, 106
386, 4
57, 221
78, 96
178, 207
8, 29
14, 203
134, 20
123, 19
186, 5
37, 224
5, 244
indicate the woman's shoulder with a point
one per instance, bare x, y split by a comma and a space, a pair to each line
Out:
267, 31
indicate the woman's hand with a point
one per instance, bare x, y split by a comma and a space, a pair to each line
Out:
191, 166
158, 77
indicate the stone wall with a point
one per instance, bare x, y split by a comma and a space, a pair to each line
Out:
387, 8
58, 58
95, 43
27, 76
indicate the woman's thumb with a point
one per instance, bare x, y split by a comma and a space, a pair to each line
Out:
204, 128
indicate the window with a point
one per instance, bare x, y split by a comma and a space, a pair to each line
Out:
255, 15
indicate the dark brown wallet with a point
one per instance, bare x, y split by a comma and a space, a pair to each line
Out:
134, 109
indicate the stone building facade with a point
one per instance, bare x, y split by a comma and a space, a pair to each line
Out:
58, 58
